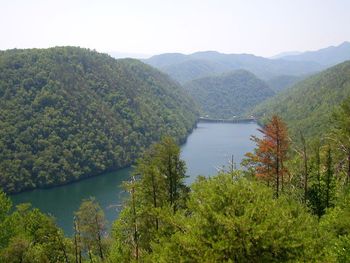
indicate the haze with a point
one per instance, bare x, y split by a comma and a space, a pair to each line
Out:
143, 28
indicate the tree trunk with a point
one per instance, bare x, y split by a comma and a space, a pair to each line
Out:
348, 179
99, 239
277, 176
77, 242
135, 237
306, 173
154, 190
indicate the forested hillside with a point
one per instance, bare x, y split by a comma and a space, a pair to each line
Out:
308, 106
283, 82
228, 95
68, 113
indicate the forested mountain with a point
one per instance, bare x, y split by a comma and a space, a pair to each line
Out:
68, 113
229, 94
308, 106
327, 56
283, 82
188, 67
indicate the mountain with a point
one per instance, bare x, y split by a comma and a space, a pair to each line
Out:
184, 68
308, 105
116, 54
67, 113
327, 56
283, 82
284, 54
194, 69
229, 94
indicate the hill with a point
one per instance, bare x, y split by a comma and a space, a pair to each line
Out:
327, 56
308, 105
229, 94
67, 113
283, 82
189, 67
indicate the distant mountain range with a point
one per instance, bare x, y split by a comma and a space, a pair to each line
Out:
326, 57
284, 54
185, 68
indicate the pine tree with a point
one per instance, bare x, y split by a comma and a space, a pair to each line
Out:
157, 192
341, 134
90, 220
271, 153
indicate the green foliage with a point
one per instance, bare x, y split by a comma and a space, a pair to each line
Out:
308, 106
157, 192
340, 136
228, 95
335, 227
27, 236
68, 113
238, 221
90, 230
279, 83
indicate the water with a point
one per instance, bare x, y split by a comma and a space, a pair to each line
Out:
209, 147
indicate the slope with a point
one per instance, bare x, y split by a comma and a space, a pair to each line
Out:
68, 113
283, 82
308, 105
229, 94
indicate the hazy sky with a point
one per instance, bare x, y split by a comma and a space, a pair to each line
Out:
261, 27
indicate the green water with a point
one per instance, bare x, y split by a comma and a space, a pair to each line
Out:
209, 147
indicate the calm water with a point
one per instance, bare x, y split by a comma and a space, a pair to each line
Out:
208, 148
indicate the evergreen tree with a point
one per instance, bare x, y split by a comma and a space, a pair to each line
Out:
341, 134
157, 191
90, 221
271, 153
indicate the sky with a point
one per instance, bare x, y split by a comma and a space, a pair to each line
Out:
143, 28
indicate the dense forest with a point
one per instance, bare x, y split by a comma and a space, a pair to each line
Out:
228, 95
286, 206
309, 105
283, 82
68, 113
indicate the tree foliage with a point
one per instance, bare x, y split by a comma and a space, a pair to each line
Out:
228, 95
308, 105
271, 153
68, 113
157, 192
27, 235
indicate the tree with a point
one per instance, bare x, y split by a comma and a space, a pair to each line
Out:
90, 220
173, 169
341, 133
238, 221
27, 235
271, 153
157, 191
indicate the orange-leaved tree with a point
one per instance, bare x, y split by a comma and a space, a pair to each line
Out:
271, 153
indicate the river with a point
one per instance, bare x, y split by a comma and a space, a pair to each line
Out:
208, 148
